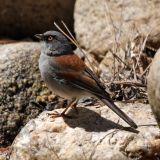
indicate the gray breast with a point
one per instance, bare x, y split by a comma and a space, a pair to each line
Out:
59, 86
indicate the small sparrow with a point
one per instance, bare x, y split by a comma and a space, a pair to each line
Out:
68, 76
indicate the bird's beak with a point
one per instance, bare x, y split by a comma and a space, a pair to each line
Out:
39, 36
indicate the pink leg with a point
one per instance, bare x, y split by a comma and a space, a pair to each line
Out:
56, 114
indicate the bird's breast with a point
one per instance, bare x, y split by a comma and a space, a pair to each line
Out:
58, 85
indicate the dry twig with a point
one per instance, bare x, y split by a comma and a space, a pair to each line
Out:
74, 41
129, 83
142, 49
146, 69
119, 59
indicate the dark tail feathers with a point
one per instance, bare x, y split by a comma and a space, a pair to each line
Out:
119, 112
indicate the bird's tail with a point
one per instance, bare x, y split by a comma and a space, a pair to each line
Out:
119, 112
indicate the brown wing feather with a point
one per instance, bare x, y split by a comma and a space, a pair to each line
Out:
79, 74
70, 62
82, 81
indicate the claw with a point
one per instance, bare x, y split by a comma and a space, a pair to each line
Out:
54, 114
57, 114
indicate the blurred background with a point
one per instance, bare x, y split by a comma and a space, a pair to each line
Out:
21, 19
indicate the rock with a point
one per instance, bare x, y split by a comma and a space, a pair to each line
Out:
20, 83
19, 20
153, 85
95, 133
3, 156
100, 27
109, 64
153, 41
4, 153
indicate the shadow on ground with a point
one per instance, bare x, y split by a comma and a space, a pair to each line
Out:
92, 121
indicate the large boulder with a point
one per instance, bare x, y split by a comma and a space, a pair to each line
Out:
94, 133
20, 83
153, 85
19, 19
102, 25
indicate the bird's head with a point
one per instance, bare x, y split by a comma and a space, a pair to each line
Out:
54, 43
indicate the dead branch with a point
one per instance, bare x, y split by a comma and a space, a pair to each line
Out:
132, 100
128, 83
146, 69
119, 59
142, 49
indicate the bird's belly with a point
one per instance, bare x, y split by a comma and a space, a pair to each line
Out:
58, 87
62, 89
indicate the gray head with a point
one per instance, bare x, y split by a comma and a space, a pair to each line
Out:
54, 43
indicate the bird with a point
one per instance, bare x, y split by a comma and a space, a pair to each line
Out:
68, 76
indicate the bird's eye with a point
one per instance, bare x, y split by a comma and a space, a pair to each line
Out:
50, 38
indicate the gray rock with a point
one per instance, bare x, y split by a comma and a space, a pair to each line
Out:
19, 19
20, 83
153, 85
95, 133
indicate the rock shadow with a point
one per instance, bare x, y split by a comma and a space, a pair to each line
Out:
92, 121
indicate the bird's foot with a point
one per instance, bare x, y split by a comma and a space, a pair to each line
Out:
56, 114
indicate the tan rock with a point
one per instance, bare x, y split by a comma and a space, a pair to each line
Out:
3, 156
153, 85
92, 134
100, 26
111, 64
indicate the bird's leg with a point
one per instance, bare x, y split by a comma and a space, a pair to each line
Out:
71, 104
56, 114
74, 106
